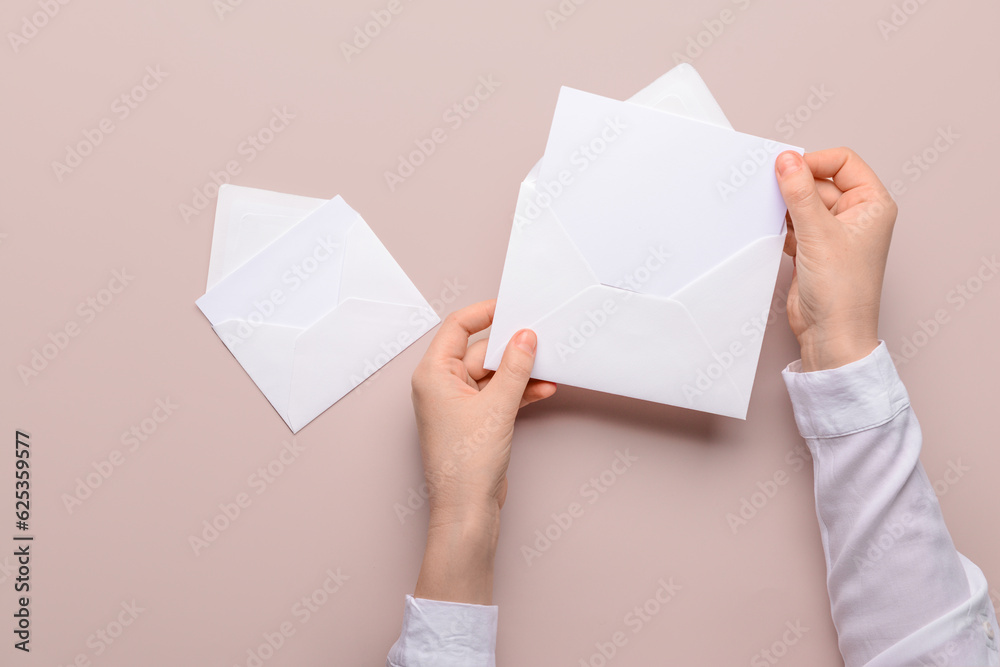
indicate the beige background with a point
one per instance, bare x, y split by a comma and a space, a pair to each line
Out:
336, 505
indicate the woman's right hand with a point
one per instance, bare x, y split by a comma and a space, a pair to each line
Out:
840, 225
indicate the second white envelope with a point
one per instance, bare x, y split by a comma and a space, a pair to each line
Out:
318, 310
648, 274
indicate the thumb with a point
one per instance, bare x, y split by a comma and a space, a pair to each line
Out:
798, 188
511, 378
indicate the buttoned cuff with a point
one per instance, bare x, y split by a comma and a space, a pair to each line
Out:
446, 634
840, 401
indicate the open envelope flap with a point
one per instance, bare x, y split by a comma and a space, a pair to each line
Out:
631, 344
295, 280
614, 340
302, 372
730, 305
541, 261
682, 92
247, 220
267, 357
370, 272
254, 227
346, 347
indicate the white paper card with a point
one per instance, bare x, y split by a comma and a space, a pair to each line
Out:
647, 179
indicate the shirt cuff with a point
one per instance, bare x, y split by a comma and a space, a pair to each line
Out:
840, 401
446, 634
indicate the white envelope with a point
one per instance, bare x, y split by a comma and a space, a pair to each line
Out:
321, 306
647, 264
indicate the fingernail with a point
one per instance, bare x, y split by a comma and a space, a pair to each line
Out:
526, 340
788, 163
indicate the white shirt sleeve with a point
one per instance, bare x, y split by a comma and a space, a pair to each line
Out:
445, 634
900, 593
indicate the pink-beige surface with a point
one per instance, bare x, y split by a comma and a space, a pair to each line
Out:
113, 244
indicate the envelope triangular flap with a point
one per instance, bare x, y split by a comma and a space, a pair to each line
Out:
366, 335
247, 220
730, 305
579, 320
542, 261
682, 92
645, 346
295, 280
255, 230
266, 353
370, 272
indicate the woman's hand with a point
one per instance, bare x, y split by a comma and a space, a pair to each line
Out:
465, 417
840, 225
